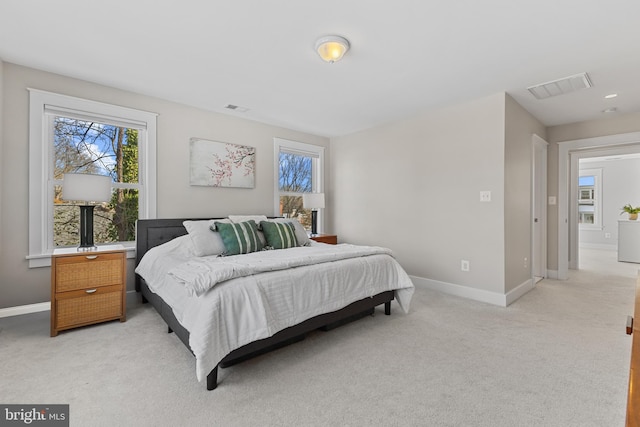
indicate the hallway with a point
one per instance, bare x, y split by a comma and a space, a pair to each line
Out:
602, 262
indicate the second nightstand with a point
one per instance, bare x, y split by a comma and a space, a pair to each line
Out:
331, 239
87, 287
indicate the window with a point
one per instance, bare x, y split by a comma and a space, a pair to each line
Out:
70, 134
298, 170
85, 146
590, 199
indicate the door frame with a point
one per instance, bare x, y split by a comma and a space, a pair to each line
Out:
538, 207
568, 242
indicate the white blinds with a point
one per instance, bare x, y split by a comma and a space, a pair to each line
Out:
298, 152
94, 117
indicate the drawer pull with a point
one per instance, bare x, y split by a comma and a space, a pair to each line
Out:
92, 256
629, 325
90, 291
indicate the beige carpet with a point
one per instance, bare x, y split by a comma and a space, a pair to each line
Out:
556, 357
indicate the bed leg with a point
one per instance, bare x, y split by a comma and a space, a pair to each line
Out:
212, 379
169, 330
144, 300
387, 308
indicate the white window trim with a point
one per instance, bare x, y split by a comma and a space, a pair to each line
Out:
318, 178
597, 197
40, 151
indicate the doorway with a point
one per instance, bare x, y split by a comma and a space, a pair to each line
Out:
607, 180
569, 153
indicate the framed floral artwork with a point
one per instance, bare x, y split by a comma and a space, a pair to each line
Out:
221, 164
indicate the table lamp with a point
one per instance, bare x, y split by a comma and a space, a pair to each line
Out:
313, 201
86, 188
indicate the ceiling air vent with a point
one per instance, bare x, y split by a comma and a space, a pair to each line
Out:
236, 108
561, 86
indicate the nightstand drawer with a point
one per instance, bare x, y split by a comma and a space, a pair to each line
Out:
88, 271
84, 306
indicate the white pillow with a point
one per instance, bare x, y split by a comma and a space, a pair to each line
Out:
205, 241
301, 234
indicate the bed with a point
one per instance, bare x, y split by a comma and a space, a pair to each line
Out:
238, 317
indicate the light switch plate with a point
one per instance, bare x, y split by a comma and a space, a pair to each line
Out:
552, 200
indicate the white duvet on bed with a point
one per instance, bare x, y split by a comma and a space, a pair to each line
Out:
241, 310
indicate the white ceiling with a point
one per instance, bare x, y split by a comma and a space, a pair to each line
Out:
406, 55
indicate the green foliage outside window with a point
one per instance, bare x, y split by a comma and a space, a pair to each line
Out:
82, 146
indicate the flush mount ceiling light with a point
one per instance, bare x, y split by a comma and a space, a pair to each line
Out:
332, 48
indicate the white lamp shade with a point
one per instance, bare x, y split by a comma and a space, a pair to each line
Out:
86, 187
332, 48
313, 200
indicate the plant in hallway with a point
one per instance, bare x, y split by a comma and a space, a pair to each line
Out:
633, 212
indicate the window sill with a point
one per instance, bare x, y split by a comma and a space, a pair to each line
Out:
44, 260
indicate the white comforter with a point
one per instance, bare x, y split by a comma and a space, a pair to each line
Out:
201, 274
256, 295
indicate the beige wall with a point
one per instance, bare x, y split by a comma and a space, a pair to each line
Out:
624, 123
620, 124
520, 125
1, 146
177, 123
414, 187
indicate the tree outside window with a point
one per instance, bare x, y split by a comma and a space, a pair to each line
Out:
298, 169
295, 177
82, 146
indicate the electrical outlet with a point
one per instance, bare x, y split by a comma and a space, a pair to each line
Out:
526, 262
464, 265
485, 196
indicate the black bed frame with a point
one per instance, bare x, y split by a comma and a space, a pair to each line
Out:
154, 232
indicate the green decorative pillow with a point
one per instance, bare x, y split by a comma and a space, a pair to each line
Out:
239, 238
279, 235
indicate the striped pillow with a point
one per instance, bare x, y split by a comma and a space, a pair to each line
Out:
279, 235
239, 238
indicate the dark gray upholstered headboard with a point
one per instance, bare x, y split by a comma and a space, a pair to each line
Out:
154, 232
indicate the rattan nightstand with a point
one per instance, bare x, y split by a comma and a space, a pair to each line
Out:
87, 287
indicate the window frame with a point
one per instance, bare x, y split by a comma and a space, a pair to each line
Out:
41, 183
317, 171
597, 198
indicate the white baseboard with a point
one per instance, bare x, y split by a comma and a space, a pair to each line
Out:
519, 290
603, 246
481, 295
25, 309
555, 274
552, 274
460, 291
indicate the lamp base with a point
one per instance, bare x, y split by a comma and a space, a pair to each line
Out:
86, 229
314, 222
